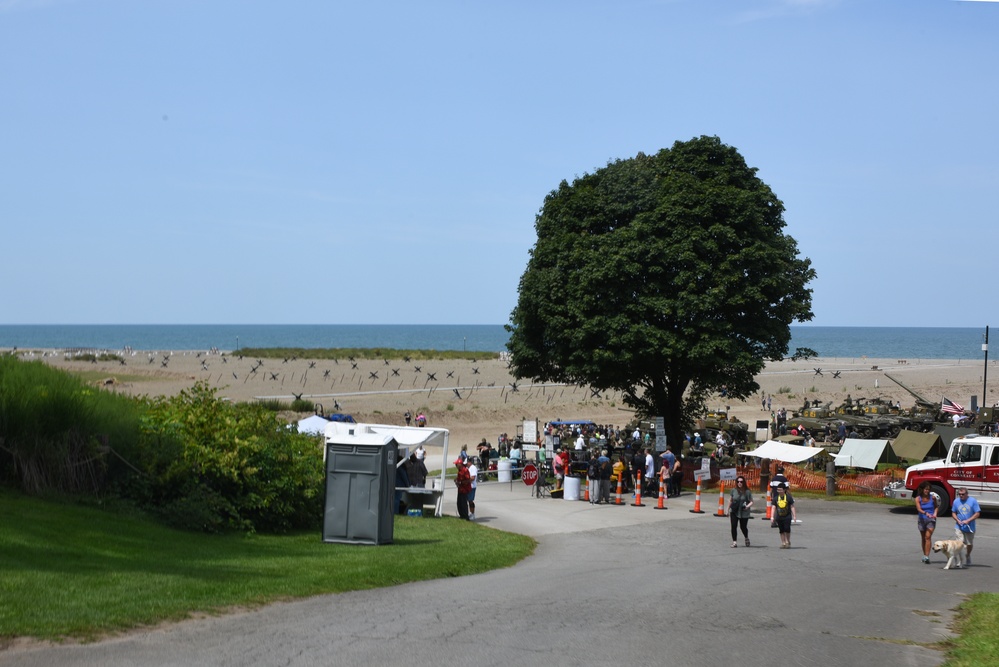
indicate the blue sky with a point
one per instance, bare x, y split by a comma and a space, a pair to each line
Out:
372, 162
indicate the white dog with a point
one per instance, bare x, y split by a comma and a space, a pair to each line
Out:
953, 549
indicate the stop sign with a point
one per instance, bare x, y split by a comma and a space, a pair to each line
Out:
529, 474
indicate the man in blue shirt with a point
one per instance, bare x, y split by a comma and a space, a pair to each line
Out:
965, 510
669, 462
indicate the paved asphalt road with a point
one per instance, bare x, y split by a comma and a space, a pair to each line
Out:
611, 586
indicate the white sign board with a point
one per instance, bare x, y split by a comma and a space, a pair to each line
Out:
530, 431
534, 448
727, 474
701, 473
660, 443
660, 426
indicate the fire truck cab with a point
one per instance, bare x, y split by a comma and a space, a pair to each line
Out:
972, 462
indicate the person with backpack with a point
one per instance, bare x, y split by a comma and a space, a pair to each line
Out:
778, 479
784, 514
593, 475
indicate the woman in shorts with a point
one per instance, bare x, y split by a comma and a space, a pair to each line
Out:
926, 506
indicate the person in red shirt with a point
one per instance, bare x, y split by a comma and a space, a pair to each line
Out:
464, 482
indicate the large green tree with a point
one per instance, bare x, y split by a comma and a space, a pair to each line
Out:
667, 277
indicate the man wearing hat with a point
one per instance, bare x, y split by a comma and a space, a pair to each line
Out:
464, 481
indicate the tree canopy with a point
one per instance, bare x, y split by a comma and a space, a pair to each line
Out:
667, 277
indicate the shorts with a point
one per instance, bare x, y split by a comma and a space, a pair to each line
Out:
969, 538
471, 496
783, 523
925, 523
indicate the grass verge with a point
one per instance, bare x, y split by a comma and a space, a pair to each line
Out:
68, 571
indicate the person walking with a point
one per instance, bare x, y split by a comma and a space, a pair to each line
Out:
926, 521
777, 479
784, 514
739, 510
464, 482
965, 511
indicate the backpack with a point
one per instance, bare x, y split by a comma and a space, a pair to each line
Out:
785, 509
593, 469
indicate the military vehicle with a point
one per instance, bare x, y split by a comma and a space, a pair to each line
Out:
925, 415
888, 419
718, 420
987, 421
814, 416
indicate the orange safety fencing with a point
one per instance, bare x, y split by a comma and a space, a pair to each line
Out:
856, 484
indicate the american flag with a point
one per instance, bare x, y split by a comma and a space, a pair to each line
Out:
950, 406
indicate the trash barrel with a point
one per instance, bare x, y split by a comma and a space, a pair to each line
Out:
571, 491
504, 470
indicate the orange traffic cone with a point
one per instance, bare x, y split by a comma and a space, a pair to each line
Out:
697, 498
586, 491
638, 492
618, 501
721, 500
770, 508
662, 494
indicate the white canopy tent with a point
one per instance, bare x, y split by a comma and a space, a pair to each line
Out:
779, 451
407, 438
313, 424
857, 453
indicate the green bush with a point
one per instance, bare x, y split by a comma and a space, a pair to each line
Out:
195, 460
215, 466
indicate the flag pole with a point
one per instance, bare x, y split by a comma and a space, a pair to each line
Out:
985, 374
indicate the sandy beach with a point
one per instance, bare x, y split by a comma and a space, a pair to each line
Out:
480, 399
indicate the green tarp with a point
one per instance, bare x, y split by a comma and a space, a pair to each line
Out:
916, 447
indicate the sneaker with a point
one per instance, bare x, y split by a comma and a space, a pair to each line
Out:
735, 544
967, 561
747, 541
926, 559
471, 517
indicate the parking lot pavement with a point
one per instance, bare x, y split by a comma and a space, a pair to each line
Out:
611, 585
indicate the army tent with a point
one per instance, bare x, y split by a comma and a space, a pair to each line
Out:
780, 451
857, 453
918, 447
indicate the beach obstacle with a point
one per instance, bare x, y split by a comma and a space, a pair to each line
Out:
697, 499
617, 500
662, 495
638, 492
721, 500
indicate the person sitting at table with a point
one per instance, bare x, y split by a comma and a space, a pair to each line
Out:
516, 454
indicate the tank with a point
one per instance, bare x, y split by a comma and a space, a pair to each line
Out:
925, 415
718, 420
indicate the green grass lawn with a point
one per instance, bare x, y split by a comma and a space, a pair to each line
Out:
84, 572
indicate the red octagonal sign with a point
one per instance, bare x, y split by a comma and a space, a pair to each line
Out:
529, 474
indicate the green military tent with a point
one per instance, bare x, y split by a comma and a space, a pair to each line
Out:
916, 447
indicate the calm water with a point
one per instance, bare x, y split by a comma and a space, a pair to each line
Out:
849, 342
